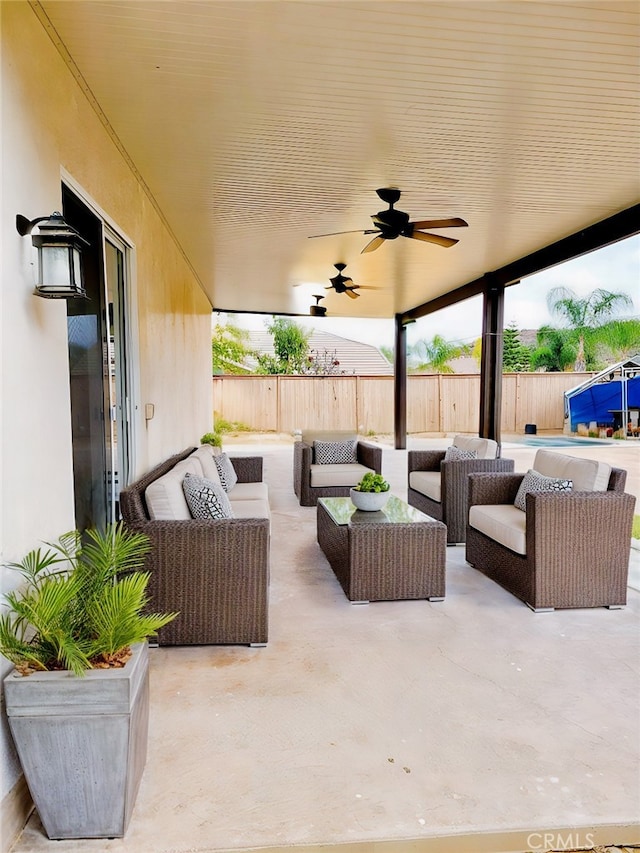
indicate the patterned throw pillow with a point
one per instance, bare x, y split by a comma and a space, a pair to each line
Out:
534, 482
227, 472
205, 498
335, 452
454, 454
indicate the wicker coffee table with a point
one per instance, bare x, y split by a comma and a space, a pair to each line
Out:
397, 553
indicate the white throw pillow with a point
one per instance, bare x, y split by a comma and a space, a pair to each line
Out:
535, 482
335, 452
455, 454
227, 472
205, 498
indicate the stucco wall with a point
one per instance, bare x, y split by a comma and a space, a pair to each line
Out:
49, 129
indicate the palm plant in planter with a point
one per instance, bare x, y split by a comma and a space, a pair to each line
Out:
78, 698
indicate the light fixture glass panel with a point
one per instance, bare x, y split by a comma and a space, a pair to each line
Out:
77, 267
54, 266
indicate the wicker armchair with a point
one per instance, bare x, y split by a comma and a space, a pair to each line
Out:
451, 481
214, 572
369, 456
577, 543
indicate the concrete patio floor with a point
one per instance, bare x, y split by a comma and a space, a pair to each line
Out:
470, 724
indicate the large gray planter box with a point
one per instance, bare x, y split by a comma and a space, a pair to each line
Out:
82, 744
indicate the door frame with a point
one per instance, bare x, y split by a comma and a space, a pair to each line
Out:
110, 228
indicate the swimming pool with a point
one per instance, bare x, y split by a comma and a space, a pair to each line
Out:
560, 441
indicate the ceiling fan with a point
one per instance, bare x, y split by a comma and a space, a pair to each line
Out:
392, 223
342, 283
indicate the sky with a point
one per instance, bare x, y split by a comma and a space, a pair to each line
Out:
615, 268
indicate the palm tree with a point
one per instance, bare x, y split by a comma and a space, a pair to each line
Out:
433, 355
586, 314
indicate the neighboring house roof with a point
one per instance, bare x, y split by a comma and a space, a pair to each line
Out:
354, 357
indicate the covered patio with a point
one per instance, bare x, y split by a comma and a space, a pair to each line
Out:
470, 724
205, 143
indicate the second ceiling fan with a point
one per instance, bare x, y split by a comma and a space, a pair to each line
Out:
344, 284
391, 224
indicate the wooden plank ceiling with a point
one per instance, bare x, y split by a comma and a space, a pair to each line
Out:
258, 124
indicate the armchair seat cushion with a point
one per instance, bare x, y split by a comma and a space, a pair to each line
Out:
344, 474
503, 523
428, 483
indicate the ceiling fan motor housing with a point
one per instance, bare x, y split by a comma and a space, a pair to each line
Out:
392, 223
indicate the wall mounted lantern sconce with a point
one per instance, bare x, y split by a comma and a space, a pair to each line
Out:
59, 256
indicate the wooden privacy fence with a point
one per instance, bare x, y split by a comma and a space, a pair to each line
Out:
435, 403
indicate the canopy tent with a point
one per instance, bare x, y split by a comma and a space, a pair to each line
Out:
609, 398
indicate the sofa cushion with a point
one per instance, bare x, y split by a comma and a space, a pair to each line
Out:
334, 452
206, 456
165, 498
249, 492
428, 483
485, 448
349, 474
227, 472
536, 482
504, 523
587, 474
250, 509
206, 498
454, 454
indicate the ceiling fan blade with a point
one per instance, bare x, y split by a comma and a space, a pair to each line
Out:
372, 245
447, 242
351, 293
334, 234
441, 223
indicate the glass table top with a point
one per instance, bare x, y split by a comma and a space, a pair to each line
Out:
395, 511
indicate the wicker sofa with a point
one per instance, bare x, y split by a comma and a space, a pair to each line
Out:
568, 549
312, 481
214, 572
439, 488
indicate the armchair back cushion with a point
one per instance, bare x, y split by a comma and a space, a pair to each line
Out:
485, 448
587, 475
309, 436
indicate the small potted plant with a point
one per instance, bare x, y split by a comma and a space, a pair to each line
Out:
78, 698
371, 493
214, 439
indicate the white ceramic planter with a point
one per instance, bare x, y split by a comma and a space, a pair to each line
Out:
82, 743
369, 501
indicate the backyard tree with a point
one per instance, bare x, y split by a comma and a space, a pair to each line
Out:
291, 347
516, 357
555, 350
618, 340
229, 349
432, 356
585, 316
